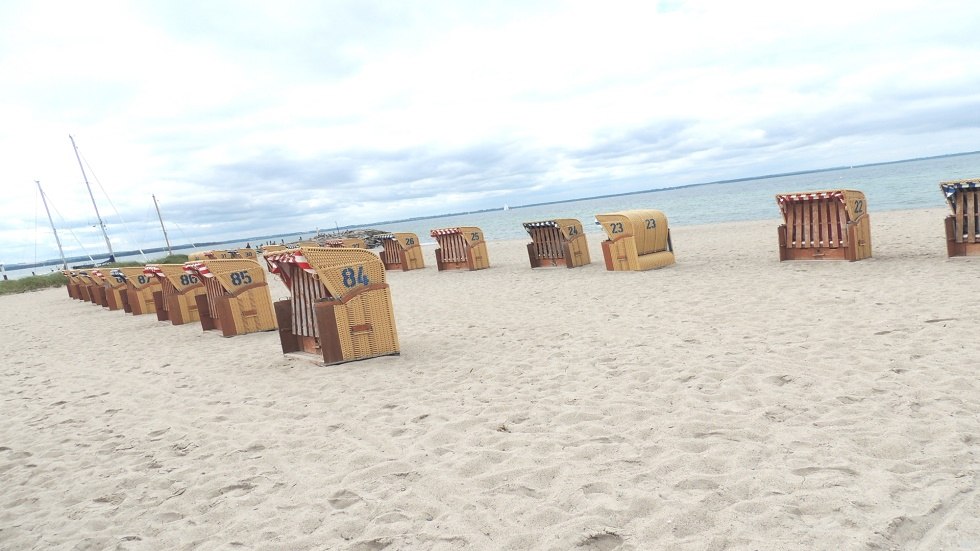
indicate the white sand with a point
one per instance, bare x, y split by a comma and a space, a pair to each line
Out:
727, 402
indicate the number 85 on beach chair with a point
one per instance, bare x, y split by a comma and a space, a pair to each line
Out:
237, 297
460, 248
639, 240
339, 306
824, 225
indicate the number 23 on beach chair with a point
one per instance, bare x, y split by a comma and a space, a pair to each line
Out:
559, 242
639, 240
824, 225
460, 248
963, 226
339, 307
176, 299
139, 290
237, 297
401, 251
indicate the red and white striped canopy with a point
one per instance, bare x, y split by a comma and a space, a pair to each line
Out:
197, 268
445, 231
794, 197
153, 270
292, 257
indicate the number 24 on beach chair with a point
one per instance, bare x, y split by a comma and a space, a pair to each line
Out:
639, 240
460, 248
339, 307
963, 226
237, 297
401, 251
559, 242
176, 299
824, 225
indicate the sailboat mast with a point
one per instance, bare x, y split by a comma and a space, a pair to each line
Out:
112, 256
64, 264
164, 228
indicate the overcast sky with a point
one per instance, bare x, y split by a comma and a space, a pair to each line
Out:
254, 118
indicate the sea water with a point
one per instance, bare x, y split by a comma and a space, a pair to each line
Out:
901, 185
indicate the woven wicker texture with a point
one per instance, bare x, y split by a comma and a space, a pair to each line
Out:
647, 227
136, 279
242, 283
343, 271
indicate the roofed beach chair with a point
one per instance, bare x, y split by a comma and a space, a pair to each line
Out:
401, 251
638, 240
91, 286
339, 307
114, 283
824, 225
963, 226
72, 285
236, 300
345, 243
140, 287
461, 248
559, 242
176, 301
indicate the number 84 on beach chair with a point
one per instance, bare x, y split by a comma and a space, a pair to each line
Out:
339, 307
639, 240
824, 225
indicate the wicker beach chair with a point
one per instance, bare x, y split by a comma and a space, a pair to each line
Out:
461, 248
345, 243
638, 240
824, 225
91, 286
963, 225
401, 251
139, 290
559, 242
339, 307
236, 300
114, 284
176, 301
72, 285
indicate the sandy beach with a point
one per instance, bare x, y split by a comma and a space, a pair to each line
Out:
727, 402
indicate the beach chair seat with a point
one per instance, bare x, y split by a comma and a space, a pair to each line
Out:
638, 240
340, 306
177, 298
236, 299
824, 225
462, 248
140, 288
401, 251
114, 283
559, 242
963, 225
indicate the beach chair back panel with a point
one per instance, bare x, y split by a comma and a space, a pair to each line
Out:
963, 225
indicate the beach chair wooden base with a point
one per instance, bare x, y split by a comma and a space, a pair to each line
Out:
72, 290
182, 308
620, 255
861, 248
475, 260
115, 299
140, 302
161, 306
230, 317
967, 245
98, 296
567, 259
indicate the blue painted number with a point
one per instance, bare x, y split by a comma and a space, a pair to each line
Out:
352, 280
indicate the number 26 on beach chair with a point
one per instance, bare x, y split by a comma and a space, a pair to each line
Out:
460, 248
139, 290
824, 225
401, 251
559, 242
638, 240
237, 297
339, 307
963, 226
176, 299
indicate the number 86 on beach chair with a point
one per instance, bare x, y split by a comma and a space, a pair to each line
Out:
339, 307
639, 240
176, 300
824, 225
237, 298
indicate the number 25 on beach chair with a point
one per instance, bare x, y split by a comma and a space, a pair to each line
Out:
460, 248
401, 251
237, 297
963, 226
824, 225
139, 290
339, 306
559, 242
176, 300
639, 240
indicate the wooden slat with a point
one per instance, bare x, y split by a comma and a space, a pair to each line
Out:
833, 230
842, 219
807, 223
971, 217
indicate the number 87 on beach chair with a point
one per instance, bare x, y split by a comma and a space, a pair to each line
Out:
339, 307
237, 298
461, 248
639, 240
824, 225
139, 290
963, 226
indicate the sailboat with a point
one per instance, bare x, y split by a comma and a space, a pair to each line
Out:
105, 234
